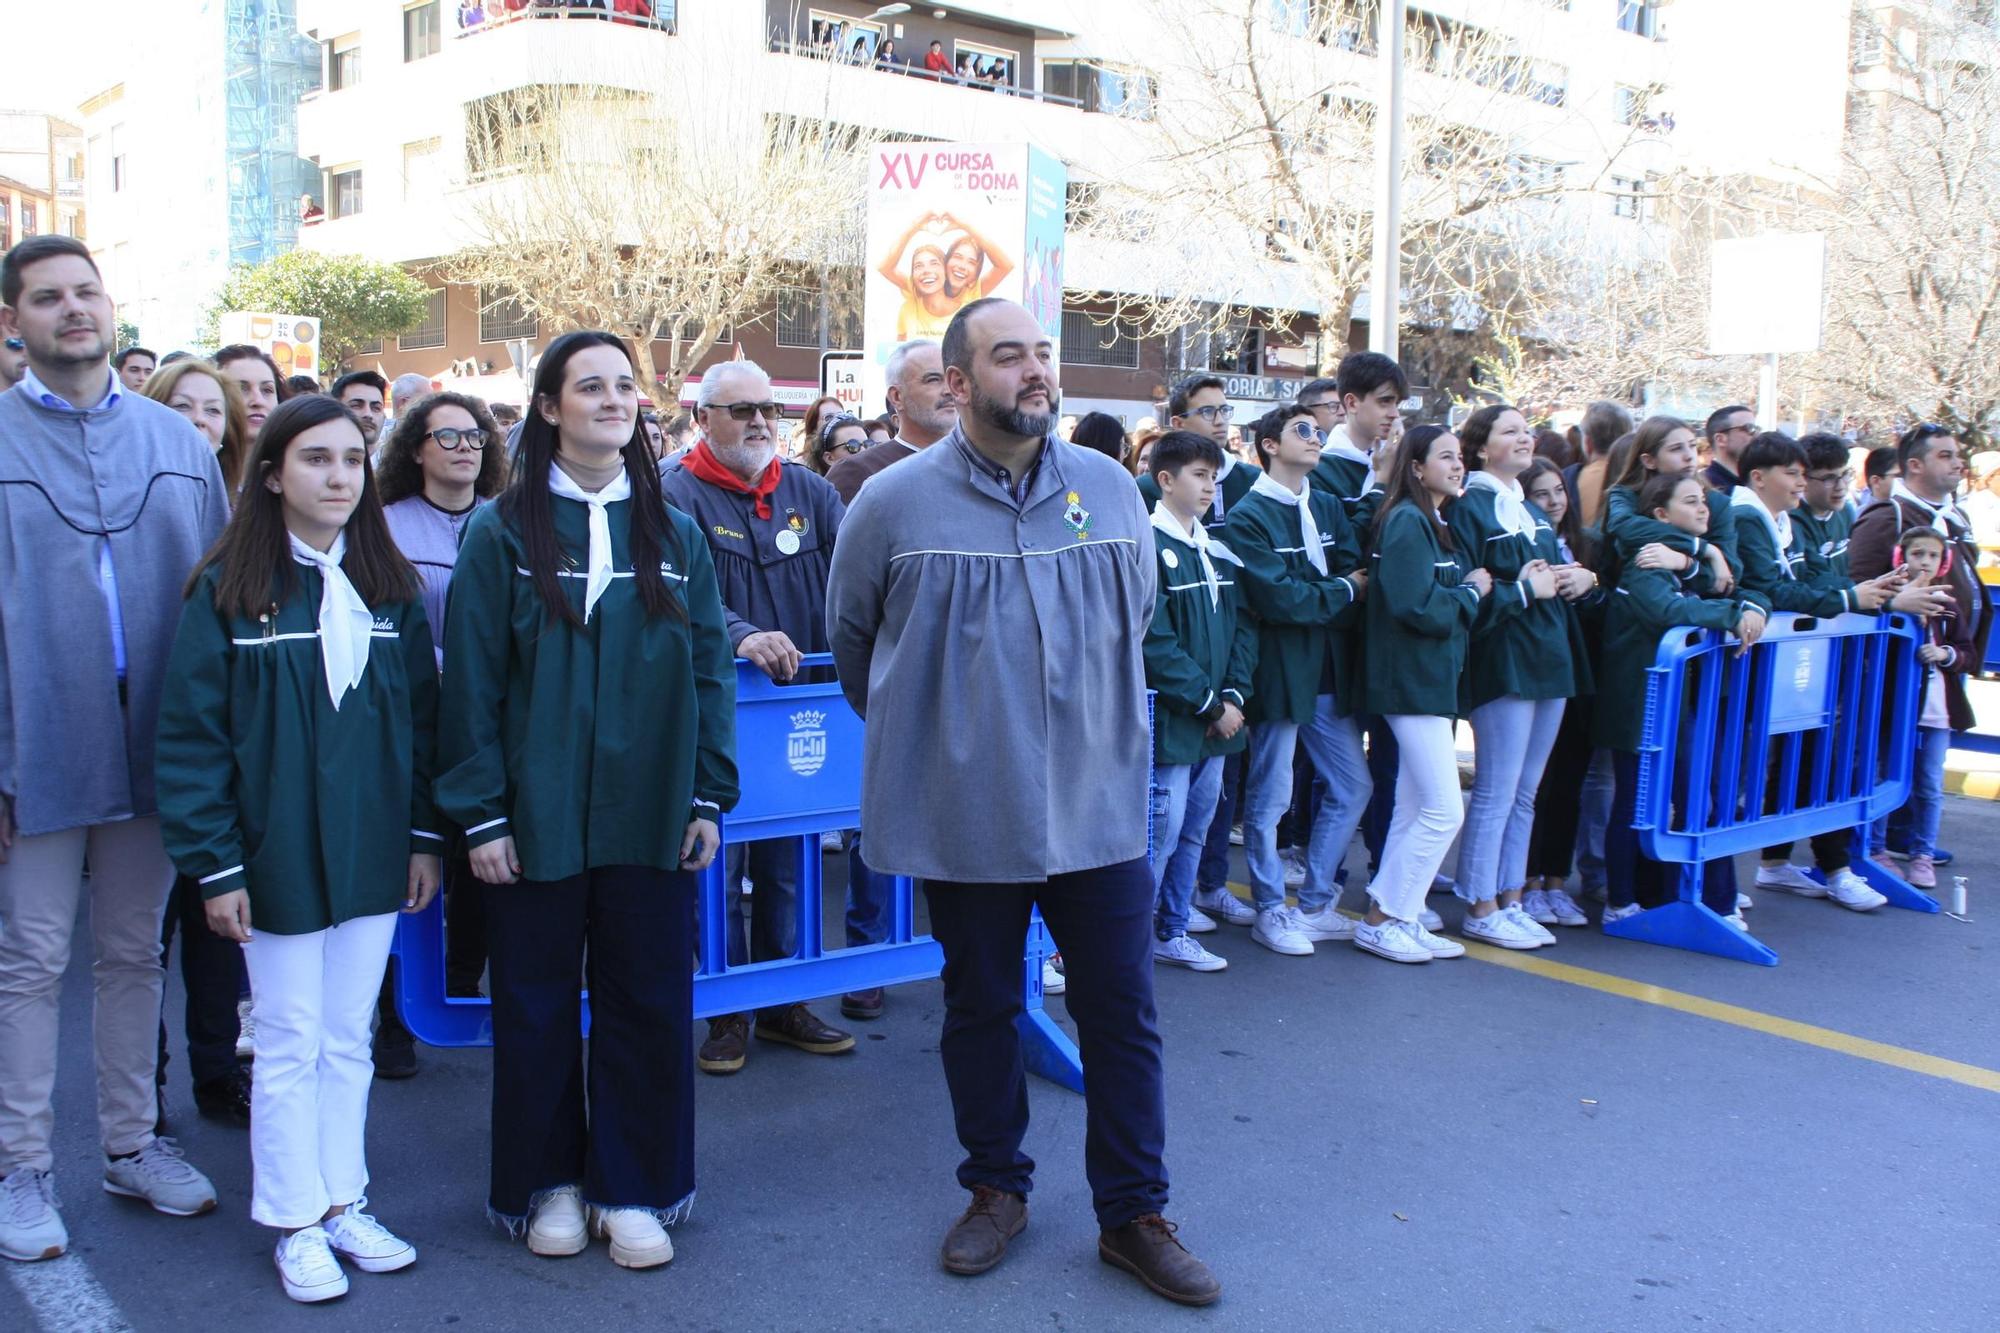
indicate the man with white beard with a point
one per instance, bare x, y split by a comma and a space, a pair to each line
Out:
770, 528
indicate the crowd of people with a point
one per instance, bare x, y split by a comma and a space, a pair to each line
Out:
289, 663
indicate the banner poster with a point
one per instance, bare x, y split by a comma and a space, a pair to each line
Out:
950, 223
291, 340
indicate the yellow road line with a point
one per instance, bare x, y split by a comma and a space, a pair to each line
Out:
1861, 1048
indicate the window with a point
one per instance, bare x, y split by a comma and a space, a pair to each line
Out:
991, 65
1096, 87
1628, 105
1086, 342
6, 235
343, 193
1626, 198
798, 321
72, 226
429, 333
373, 347
343, 63
27, 218
841, 37
1867, 42
421, 31
503, 318
1640, 17
423, 169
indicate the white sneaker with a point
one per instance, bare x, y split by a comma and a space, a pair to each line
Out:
367, 1244
1736, 919
1225, 906
637, 1238
1497, 928
30, 1226
1535, 902
1430, 920
1180, 951
246, 1030
1439, 946
1394, 940
833, 840
1567, 913
1789, 878
1532, 928
1441, 884
1235, 835
1852, 892
1294, 862
1625, 913
556, 1227
1278, 930
1199, 922
159, 1173
1744, 902
1053, 981
1325, 924
307, 1267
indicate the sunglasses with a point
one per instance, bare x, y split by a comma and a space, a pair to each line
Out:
1303, 429
745, 411
16, 345
451, 438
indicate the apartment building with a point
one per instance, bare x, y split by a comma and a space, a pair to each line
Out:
41, 177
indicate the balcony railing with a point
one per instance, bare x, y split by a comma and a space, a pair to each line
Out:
835, 55
475, 18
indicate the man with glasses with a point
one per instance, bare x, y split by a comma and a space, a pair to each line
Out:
365, 394
1199, 404
1825, 517
770, 528
13, 362
1729, 431
1321, 397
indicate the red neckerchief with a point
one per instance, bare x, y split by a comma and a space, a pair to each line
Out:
705, 468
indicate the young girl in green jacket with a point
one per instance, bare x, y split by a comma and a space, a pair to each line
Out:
294, 774
1421, 606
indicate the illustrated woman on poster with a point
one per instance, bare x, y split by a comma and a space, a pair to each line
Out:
942, 276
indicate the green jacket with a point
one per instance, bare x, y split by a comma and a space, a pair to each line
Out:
1420, 617
1828, 536
1237, 479
265, 786
1302, 616
1352, 482
1627, 530
594, 746
1521, 646
1645, 606
1795, 579
1198, 654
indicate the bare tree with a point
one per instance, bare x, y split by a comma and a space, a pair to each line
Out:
1913, 292
670, 211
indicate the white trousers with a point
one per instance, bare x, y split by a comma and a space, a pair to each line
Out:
315, 997
1428, 813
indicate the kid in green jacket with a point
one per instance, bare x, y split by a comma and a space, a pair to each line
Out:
1199, 654
1372, 388
1422, 605
1825, 516
587, 745
1200, 406
1662, 446
294, 770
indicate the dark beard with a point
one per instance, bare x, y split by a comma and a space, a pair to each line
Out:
1012, 420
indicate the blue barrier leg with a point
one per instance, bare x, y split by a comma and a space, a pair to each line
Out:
1046, 1050
1899, 891
1687, 923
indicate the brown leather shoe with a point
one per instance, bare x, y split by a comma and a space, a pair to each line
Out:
1147, 1248
727, 1045
796, 1025
862, 1005
978, 1240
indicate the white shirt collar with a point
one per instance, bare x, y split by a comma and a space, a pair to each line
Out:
1341, 445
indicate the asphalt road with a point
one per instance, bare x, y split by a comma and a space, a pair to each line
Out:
1353, 1145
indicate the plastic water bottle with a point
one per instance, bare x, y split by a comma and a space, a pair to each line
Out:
1958, 895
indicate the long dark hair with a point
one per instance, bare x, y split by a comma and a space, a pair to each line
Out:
400, 475
1404, 488
1473, 434
1653, 432
1570, 529
525, 503
254, 553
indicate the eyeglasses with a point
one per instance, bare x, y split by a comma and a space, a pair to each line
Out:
1328, 403
1747, 427
1213, 412
1841, 477
16, 345
451, 438
745, 411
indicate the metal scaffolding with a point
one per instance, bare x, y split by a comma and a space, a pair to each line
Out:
268, 65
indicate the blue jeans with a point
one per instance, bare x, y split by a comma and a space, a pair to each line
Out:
867, 900
1214, 873
1192, 791
1334, 745
1926, 804
1631, 875
1513, 737
1596, 818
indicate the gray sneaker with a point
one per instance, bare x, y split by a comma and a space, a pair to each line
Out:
30, 1226
159, 1173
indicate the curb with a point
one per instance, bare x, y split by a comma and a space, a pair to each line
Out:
1983, 785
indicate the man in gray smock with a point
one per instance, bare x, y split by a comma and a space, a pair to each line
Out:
987, 605
107, 501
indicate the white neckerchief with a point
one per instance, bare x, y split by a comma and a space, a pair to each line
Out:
1946, 517
598, 561
1308, 529
1341, 445
1510, 503
345, 622
1779, 524
1199, 539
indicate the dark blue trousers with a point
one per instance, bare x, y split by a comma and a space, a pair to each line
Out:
867, 900
1102, 921
1632, 876
635, 1145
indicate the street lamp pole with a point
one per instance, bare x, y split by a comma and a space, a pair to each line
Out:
1385, 296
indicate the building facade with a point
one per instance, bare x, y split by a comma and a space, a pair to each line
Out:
41, 177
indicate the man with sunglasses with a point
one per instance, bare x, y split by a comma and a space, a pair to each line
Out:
1729, 431
13, 362
770, 528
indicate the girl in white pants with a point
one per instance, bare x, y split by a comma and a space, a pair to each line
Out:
1422, 603
294, 779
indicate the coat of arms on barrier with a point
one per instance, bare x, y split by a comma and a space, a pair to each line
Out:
805, 748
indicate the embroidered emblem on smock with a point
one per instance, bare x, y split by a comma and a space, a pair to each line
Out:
1076, 517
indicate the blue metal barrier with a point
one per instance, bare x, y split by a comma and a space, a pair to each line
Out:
799, 747
1811, 731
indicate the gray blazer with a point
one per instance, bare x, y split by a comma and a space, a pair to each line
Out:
994, 650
